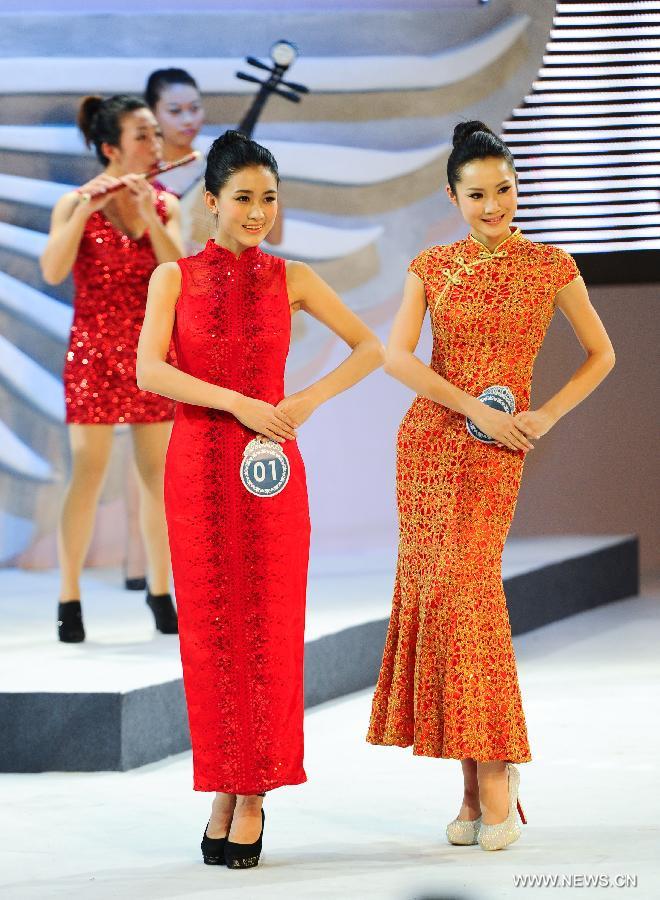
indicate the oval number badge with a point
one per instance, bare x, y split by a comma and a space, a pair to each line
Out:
264, 469
497, 397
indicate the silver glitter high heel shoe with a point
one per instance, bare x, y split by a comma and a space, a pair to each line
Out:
464, 832
497, 837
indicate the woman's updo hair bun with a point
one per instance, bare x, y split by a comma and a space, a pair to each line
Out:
474, 140
464, 130
89, 106
99, 120
231, 138
230, 153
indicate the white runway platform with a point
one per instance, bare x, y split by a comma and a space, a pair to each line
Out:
369, 823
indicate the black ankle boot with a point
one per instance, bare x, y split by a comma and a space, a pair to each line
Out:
70, 628
244, 856
164, 612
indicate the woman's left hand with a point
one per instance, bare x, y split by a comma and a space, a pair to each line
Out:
298, 407
534, 423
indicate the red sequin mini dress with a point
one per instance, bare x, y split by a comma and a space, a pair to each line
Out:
111, 276
239, 561
448, 684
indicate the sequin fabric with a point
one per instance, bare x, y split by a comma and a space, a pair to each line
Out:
448, 684
239, 561
111, 276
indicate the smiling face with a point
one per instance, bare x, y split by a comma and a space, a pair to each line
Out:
486, 196
181, 115
140, 143
246, 208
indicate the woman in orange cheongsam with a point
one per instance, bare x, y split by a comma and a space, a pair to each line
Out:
448, 684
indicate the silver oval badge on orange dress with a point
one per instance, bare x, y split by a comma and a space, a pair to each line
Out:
265, 468
497, 397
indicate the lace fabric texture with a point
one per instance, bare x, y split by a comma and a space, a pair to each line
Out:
239, 561
111, 276
448, 684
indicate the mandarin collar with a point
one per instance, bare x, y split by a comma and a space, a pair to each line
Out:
513, 237
225, 254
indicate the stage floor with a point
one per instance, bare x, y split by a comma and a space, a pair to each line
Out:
369, 825
123, 652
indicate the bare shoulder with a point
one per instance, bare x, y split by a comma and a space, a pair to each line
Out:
299, 279
166, 280
297, 272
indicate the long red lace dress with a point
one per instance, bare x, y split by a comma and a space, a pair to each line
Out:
239, 561
448, 684
111, 277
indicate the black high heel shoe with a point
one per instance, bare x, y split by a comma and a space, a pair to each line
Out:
70, 628
164, 612
213, 849
139, 583
244, 856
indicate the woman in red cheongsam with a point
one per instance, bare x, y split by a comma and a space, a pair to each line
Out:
112, 244
239, 558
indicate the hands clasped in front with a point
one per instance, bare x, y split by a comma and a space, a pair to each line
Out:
277, 423
514, 432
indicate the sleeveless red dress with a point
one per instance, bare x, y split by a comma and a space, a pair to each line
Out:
111, 276
239, 561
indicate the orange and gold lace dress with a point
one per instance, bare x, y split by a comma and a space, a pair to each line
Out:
448, 684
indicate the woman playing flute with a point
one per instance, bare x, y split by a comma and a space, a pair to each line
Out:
112, 242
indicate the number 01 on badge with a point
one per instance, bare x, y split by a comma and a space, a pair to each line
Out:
264, 469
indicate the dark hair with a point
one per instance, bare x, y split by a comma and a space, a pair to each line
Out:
164, 78
474, 140
100, 120
230, 153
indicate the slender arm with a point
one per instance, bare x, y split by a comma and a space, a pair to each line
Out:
402, 363
574, 302
68, 220
407, 368
309, 291
154, 373
165, 237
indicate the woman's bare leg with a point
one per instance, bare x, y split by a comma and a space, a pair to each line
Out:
221, 814
470, 808
150, 446
136, 560
493, 791
90, 453
246, 821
